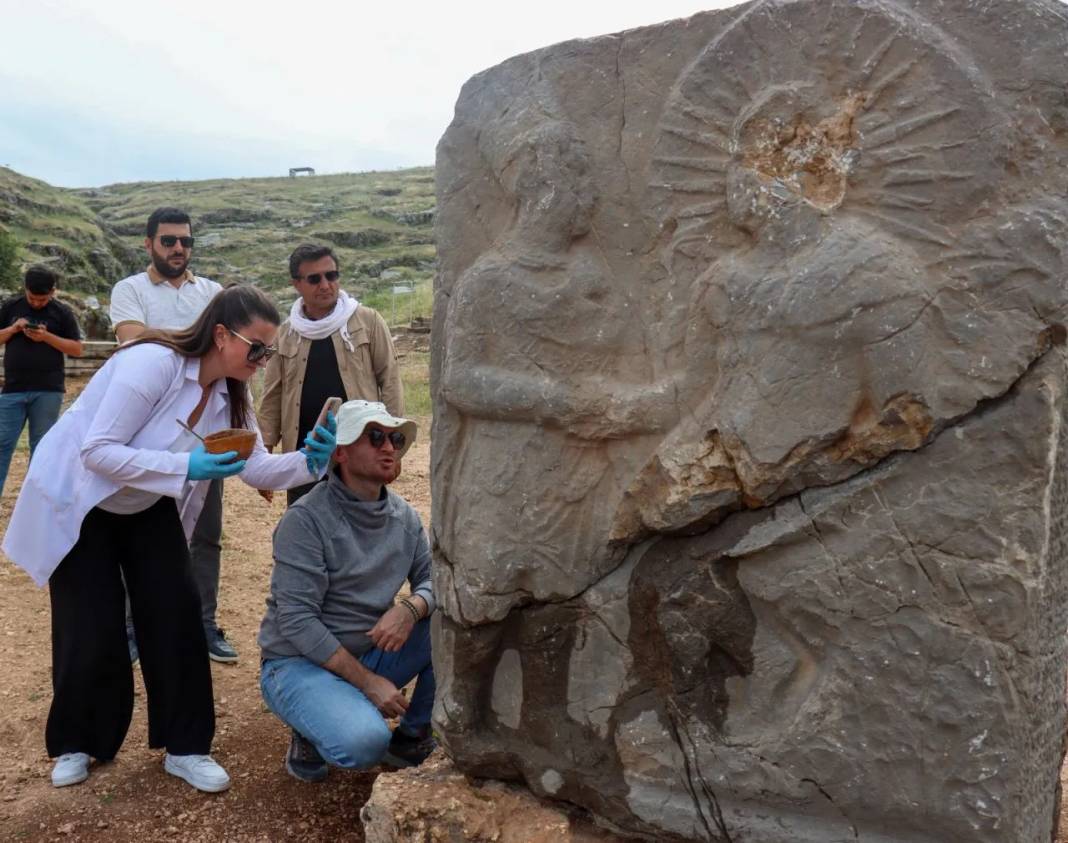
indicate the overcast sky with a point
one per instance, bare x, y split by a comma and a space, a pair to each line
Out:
93, 93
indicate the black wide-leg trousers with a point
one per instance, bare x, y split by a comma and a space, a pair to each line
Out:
92, 680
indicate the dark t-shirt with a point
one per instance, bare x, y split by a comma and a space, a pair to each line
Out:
322, 380
35, 366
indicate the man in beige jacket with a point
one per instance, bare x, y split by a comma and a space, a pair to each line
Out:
331, 345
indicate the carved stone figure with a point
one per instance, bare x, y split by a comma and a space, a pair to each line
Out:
546, 363
748, 460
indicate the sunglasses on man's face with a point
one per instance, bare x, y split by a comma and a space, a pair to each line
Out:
316, 277
168, 241
377, 437
257, 350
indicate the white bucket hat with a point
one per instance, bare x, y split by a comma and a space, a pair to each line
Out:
354, 416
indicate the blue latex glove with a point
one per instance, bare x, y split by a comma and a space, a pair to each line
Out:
319, 445
205, 466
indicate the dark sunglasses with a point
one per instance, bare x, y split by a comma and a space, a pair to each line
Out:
377, 437
168, 240
256, 350
316, 277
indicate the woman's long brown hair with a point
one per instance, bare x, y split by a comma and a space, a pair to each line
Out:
234, 308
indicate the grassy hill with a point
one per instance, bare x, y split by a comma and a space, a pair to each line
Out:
56, 226
380, 225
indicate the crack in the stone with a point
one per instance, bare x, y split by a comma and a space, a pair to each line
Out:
622, 110
826, 550
623, 643
908, 542
829, 798
981, 408
968, 596
919, 315
676, 720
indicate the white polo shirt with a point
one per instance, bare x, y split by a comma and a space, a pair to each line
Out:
151, 300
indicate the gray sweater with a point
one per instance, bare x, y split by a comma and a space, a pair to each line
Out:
338, 564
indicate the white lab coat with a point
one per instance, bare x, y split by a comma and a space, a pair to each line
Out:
116, 435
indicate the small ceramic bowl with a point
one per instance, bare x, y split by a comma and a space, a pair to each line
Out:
231, 439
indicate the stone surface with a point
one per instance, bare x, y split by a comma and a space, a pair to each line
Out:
748, 381
435, 803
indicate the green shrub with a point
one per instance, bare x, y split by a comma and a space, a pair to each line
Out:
9, 259
415, 374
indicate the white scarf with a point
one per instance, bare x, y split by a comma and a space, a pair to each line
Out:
320, 329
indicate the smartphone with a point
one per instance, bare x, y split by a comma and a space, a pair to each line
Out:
331, 405
34, 326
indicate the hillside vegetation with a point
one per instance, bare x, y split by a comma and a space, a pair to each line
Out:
380, 224
55, 226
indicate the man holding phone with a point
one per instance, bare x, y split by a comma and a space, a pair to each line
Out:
168, 295
36, 331
330, 346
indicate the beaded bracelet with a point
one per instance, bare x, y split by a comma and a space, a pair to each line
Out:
404, 601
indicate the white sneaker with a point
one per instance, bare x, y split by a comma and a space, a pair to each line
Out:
201, 771
71, 768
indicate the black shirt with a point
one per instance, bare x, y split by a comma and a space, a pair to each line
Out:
35, 366
322, 380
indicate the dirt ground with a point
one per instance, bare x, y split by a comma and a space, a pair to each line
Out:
131, 798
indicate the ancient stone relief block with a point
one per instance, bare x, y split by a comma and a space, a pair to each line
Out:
748, 422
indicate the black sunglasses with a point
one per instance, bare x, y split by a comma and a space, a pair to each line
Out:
316, 277
256, 350
377, 437
168, 240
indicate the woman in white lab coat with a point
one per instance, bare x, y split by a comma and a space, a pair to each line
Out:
113, 493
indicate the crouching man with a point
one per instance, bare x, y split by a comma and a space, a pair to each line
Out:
336, 650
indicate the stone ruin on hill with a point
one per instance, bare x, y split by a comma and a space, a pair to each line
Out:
749, 447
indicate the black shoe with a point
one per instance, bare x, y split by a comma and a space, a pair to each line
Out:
407, 751
219, 649
303, 760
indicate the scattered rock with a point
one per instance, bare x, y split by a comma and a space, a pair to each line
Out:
435, 802
413, 218
360, 239
375, 268
232, 216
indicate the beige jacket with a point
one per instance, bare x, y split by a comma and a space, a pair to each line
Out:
370, 372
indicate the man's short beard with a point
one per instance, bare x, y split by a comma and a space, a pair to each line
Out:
165, 269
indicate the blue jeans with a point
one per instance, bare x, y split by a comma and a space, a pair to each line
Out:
344, 724
41, 409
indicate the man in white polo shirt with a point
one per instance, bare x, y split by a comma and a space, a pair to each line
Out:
167, 295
